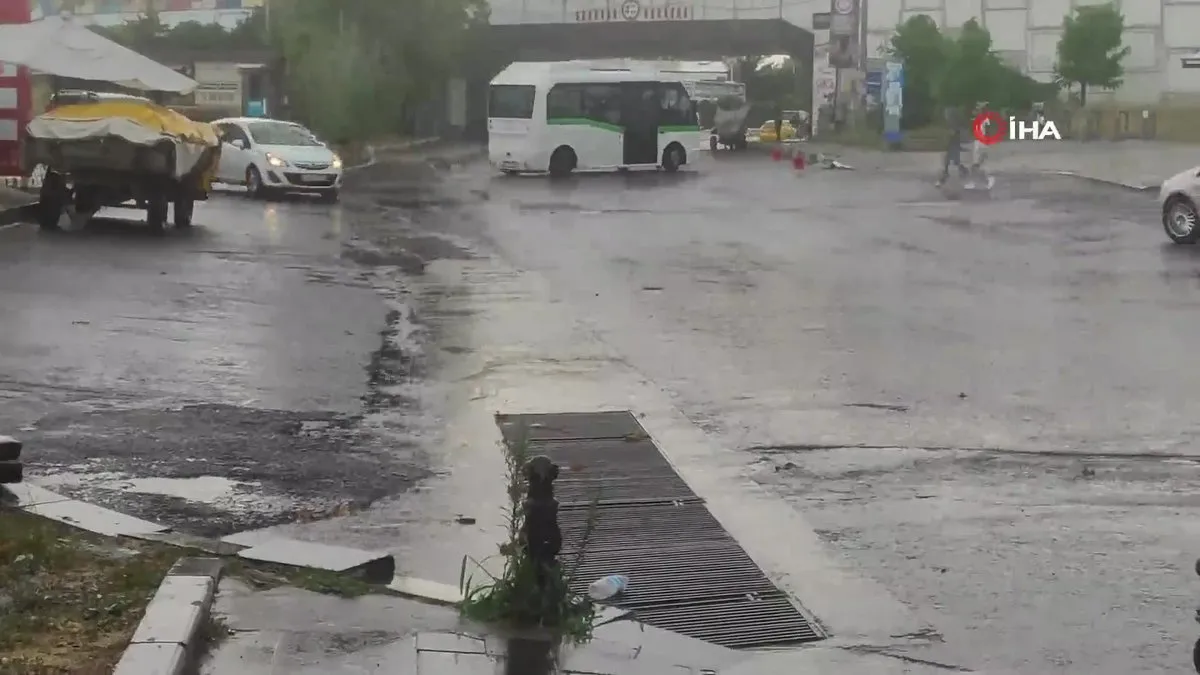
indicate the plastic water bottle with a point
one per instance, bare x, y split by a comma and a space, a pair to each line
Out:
607, 587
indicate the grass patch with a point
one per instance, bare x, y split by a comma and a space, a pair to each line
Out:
514, 599
70, 600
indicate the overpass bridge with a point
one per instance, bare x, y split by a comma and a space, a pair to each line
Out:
561, 30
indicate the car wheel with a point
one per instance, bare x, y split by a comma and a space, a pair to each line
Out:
562, 162
1180, 220
254, 183
1196, 656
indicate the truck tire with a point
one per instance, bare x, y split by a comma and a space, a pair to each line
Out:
185, 207
157, 207
52, 201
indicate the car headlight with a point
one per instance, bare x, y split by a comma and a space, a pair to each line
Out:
337, 162
275, 161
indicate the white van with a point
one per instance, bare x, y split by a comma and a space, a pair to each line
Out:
567, 116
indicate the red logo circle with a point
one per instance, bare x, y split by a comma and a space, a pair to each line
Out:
997, 124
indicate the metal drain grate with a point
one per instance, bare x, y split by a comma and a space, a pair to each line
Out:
687, 574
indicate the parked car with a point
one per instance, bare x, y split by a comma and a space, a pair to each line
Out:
274, 156
1178, 198
766, 133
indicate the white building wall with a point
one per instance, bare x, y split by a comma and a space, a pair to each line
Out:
1025, 32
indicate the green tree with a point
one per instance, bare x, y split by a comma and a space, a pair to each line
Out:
1090, 51
358, 69
921, 47
972, 72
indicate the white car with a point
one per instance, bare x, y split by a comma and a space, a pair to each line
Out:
1178, 197
272, 156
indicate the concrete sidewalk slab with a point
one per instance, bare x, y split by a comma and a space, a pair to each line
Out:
372, 566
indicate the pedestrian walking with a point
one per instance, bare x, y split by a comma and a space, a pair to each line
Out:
954, 148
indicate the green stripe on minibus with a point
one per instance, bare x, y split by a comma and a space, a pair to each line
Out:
677, 128
583, 122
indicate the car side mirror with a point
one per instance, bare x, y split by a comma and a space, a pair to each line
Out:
239, 143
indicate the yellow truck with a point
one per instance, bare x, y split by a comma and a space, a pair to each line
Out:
102, 150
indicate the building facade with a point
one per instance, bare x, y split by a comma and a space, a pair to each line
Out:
1159, 33
112, 12
1025, 32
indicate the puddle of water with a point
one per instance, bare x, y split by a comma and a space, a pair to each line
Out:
213, 490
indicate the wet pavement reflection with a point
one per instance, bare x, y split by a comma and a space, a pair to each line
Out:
983, 406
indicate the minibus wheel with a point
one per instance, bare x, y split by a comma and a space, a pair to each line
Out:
673, 158
562, 162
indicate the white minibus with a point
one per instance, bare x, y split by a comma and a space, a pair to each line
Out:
562, 117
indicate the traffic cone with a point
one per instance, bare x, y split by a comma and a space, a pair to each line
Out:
798, 161
777, 154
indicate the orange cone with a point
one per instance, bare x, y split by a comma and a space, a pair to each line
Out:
798, 161
777, 154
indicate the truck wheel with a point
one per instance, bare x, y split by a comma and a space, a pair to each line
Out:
52, 201
157, 207
184, 208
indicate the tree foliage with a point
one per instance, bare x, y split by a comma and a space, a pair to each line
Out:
1091, 51
354, 70
359, 69
148, 33
943, 73
920, 46
775, 84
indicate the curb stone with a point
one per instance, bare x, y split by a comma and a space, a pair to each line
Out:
372, 152
1104, 181
170, 633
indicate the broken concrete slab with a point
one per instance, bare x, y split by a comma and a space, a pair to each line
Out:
26, 495
192, 566
210, 546
454, 643
371, 566
424, 589
176, 611
93, 518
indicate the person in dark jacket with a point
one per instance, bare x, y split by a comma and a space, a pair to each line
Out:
954, 148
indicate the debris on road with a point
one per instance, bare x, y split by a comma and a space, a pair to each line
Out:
608, 587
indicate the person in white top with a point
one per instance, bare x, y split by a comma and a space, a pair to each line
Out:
979, 158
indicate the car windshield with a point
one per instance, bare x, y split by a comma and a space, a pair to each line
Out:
280, 133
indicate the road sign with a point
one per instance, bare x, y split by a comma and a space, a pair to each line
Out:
631, 10
843, 6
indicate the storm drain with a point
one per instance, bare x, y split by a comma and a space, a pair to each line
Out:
687, 574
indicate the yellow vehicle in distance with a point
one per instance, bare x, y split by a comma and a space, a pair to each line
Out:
766, 133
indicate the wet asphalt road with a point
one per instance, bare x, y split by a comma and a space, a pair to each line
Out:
987, 405
984, 404
244, 373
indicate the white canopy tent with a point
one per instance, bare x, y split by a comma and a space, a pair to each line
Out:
63, 47
1191, 60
